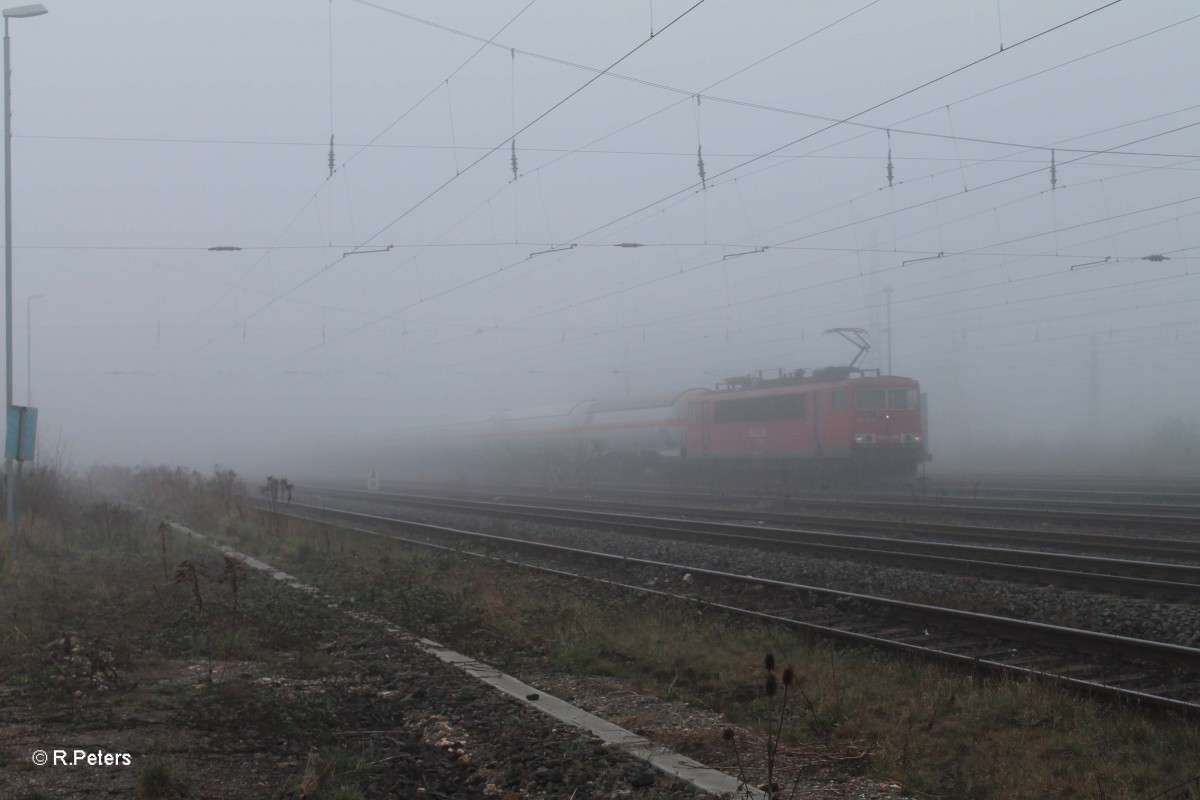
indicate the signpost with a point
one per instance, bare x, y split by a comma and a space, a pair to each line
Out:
19, 444
22, 433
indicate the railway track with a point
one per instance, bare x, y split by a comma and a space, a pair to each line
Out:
1151, 515
1157, 517
1142, 516
1165, 489
1176, 548
1105, 574
1155, 673
1147, 497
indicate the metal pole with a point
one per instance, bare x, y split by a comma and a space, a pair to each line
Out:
9, 477
887, 290
29, 348
28, 352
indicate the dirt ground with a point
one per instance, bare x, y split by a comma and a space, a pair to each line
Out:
184, 674
138, 682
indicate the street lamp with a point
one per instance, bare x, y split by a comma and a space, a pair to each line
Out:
19, 12
887, 290
29, 348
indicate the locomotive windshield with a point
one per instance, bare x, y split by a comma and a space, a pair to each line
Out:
880, 399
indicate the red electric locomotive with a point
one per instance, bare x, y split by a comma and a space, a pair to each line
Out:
832, 422
837, 420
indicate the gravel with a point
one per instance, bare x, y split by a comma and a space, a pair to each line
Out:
1176, 623
437, 732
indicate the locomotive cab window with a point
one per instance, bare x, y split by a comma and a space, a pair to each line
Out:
870, 399
902, 399
760, 409
880, 399
837, 399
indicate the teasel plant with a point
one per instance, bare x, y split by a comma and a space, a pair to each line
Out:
775, 718
777, 707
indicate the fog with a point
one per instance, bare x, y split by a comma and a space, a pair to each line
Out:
195, 285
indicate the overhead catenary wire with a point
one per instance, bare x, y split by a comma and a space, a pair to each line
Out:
578, 302
453, 137
807, 288
441, 186
739, 185
575, 304
317, 192
785, 338
437, 190
853, 121
374, 142
476, 280
381, 133
433, 89
854, 116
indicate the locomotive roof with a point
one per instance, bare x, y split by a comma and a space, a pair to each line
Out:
823, 376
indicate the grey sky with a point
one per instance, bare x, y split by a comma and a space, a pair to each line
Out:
148, 132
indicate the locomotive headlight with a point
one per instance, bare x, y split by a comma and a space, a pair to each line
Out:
914, 438
864, 438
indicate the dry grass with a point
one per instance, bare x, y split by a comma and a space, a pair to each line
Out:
937, 732
95, 633
159, 779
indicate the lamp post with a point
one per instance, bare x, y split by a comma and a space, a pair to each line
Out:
18, 12
887, 290
29, 348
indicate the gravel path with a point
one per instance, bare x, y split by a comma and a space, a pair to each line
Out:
443, 734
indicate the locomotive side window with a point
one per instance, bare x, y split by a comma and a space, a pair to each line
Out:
837, 399
870, 399
760, 409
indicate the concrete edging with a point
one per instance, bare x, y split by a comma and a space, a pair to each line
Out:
669, 762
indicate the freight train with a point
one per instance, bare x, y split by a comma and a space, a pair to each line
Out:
829, 424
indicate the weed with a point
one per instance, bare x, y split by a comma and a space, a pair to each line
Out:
310, 661
776, 714
774, 737
230, 575
334, 776
229, 489
937, 732
159, 779
49, 489
189, 572
277, 491
163, 528
233, 645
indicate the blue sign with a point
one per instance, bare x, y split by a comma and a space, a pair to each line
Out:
22, 433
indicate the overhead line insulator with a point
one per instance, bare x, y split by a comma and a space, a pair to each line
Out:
889, 166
